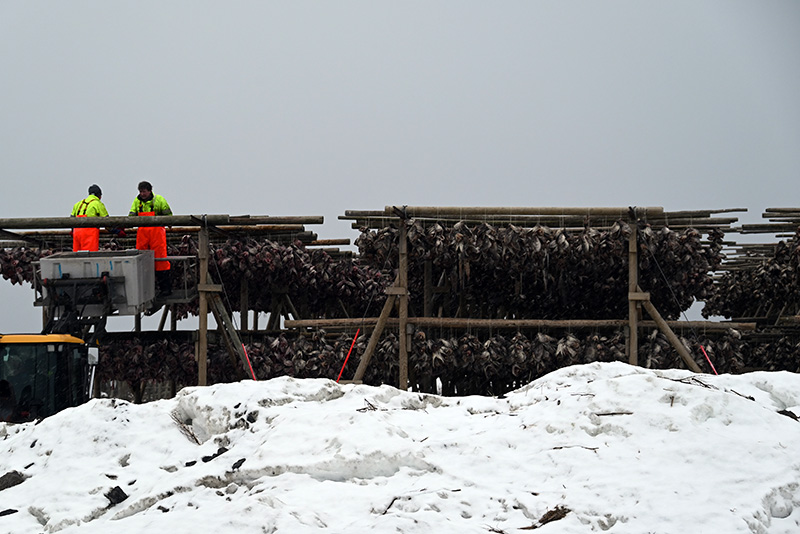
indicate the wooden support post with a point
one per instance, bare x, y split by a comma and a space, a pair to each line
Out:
137, 322
402, 276
202, 346
163, 320
289, 307
376, 335
673, 339
244, 304
633, 284
173, 319
274, 321
232, 339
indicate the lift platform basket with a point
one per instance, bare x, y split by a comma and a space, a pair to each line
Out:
100, 283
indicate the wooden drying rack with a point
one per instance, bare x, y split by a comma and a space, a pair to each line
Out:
560, 217
46, 229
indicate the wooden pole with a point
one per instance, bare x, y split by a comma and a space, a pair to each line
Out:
163, 320
232, 339
673, 339
403, 308
289, 308
110, 222
202, 347
457, 322
373, 340
267, 219
193, 221
572, 223
432, 211
633, 283
35, 235
276, 307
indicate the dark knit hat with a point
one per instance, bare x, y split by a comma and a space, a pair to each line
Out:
95, 190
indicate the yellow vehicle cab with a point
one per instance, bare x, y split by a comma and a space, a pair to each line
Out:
41, 374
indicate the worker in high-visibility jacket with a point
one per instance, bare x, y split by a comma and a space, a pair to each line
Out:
91, 206
153, 237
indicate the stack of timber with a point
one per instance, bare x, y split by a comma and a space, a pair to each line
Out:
783, 225
56, 233
760, 282
565, 218
783, 222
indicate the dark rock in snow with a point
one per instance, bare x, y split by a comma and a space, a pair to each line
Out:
11, 479
116, 495
220, 451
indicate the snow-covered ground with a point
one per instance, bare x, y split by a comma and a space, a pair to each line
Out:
591, 448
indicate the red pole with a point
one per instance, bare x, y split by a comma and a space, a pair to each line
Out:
348, 355
248, 362
708, 359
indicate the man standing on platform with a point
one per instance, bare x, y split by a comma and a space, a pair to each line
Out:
153, 237
91, 206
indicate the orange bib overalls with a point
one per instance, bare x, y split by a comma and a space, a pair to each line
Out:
153, 238
85, 238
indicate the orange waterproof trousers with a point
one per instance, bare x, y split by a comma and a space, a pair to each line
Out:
85, 238
153, 238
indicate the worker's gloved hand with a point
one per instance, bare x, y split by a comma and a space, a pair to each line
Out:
119, 232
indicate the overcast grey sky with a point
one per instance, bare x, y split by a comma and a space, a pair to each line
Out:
316, 107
